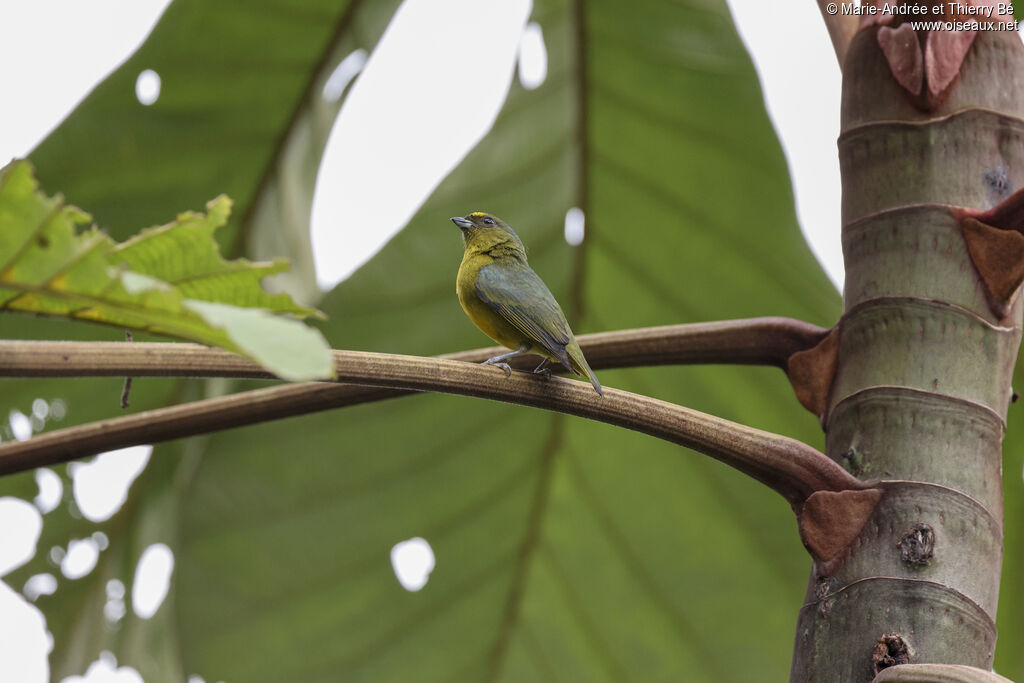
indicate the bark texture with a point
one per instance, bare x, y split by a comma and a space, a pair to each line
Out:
921, 388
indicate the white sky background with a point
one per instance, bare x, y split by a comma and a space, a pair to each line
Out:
40, 86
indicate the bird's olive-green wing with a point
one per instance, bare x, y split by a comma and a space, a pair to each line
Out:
522, 299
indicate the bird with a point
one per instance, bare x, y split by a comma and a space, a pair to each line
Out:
509, 302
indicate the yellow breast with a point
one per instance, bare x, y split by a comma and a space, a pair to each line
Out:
482, 315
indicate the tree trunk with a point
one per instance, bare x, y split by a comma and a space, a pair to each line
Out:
928, 341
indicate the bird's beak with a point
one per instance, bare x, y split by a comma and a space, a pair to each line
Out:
462, 222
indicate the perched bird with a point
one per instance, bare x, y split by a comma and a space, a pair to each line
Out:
508, 301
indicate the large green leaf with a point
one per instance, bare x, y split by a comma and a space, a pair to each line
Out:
561, 546
565, 550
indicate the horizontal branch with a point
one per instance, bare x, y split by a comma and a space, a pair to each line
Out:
937, 673
754, 341
793, 469
767, 341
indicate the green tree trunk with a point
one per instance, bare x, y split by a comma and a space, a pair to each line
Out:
927, 347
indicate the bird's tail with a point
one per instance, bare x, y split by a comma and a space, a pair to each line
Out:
580, 365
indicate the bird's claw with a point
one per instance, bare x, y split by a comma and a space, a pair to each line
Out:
544, 372
498, 364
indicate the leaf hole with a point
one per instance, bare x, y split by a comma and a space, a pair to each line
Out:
575, 221
101, 486
533, 57
152, 580
40, 584
147, 87
81, 558
412, 561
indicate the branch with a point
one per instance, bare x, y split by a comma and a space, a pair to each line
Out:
753, 341
793, 469
841, 29
799, 348
937, 673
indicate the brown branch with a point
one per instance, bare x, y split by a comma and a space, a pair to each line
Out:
793, 469
841, 28
938, 673
753, 341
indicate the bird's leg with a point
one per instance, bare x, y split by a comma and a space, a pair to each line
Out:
543, 368
497, 361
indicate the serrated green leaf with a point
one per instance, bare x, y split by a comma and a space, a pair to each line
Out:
168, 280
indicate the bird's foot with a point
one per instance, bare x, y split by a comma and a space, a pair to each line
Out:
543, 368
496, 362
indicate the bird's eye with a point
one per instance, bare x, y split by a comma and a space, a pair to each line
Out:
488, 221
